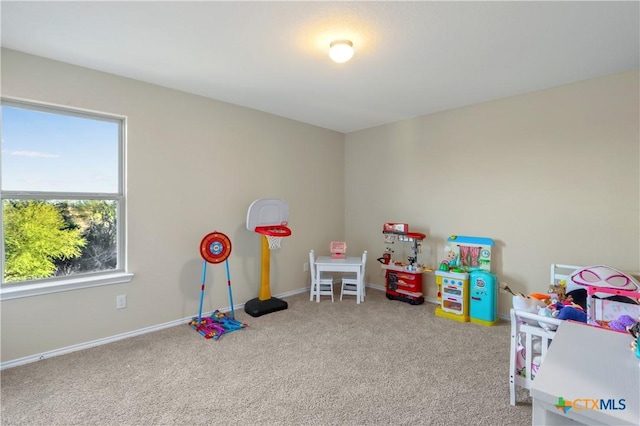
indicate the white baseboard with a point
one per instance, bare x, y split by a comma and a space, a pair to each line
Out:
434, 301
73, 348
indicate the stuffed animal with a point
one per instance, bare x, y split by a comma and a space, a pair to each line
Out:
573, 313
527, 304
622, 324
560, 292
548, 312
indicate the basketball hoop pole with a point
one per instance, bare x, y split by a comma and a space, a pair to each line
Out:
265, 287
268, 217
265, 303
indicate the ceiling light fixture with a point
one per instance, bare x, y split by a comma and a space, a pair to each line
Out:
341, 50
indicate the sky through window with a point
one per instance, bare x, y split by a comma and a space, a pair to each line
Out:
43, 151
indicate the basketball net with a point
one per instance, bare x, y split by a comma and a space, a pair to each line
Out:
274, 235
274, 242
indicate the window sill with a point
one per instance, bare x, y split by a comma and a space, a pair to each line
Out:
27, 290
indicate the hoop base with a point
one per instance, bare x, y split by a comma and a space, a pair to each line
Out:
256, 307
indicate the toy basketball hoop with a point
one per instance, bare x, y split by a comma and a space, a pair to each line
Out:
274, 234
268, 217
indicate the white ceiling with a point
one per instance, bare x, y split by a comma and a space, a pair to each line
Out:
411, 58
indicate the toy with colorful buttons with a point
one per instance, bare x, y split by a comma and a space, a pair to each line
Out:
467, 290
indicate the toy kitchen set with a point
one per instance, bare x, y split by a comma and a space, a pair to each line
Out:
403, 280
467, 290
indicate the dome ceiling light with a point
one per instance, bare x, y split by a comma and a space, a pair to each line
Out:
341, 50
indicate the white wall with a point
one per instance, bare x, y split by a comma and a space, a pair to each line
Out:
194, 165
552, 176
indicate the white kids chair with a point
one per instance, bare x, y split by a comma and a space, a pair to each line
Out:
350, 284
327, 280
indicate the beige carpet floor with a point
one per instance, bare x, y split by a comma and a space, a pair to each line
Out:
378, 363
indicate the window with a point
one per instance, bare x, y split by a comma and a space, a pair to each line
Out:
63, 199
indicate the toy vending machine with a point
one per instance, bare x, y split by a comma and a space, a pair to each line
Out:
467, 290
403, 280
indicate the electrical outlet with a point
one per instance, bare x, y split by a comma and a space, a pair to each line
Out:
121, 301
305, 267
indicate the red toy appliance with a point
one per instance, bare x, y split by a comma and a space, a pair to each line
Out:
403, 279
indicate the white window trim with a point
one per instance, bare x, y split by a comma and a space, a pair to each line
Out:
10, 291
